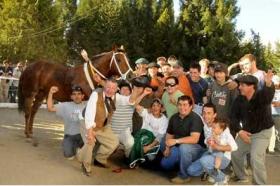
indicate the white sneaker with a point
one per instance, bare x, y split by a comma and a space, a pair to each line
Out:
221, 183
70, 158
211, 179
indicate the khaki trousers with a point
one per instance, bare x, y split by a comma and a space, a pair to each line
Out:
257, 150
107, 141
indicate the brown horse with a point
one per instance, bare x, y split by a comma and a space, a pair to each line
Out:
38, 77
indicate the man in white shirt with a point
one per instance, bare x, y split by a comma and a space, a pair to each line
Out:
97, 115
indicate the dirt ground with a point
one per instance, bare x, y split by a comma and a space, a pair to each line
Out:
23, 163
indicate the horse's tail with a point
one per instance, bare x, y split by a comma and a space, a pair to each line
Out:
21, 105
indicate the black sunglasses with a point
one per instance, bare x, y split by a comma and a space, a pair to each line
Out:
170, 84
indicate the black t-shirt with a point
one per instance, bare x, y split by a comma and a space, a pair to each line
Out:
184, 127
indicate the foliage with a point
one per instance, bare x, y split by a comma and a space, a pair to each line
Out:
59, 29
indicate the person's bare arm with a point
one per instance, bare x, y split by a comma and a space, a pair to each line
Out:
50, 105
192, 139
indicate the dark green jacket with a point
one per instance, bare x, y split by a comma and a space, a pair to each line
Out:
143, 137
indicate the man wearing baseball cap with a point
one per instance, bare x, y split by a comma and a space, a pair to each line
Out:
141, 67
251, 119
219, 93
70, 113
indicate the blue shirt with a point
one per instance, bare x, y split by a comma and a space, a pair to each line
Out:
199, 89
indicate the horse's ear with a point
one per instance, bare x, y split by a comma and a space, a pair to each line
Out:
114, 48
122, 48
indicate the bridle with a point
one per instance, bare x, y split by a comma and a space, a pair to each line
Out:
113, 60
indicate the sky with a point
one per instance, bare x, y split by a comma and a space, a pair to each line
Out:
263, 16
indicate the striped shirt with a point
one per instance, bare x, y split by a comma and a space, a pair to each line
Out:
122, 117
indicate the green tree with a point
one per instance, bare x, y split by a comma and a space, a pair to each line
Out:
32, 29
207, 29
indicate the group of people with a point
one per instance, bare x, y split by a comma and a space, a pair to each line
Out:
198, 122
9, 79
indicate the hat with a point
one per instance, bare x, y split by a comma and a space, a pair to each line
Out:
157, 100
141, 81
177, 64
220, 67
161, 58
76, 88
247, 79
153, 64
141, 61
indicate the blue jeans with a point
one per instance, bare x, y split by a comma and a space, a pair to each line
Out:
182, 155
71, 143
208, 164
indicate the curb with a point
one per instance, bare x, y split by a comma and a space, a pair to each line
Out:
15, 105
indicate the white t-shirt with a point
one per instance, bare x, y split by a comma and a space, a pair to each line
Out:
157, 126
224, 139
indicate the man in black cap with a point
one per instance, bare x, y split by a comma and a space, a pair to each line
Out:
251, 120
70, 113
141, 67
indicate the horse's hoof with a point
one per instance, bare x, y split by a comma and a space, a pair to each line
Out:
29, 140
35, 143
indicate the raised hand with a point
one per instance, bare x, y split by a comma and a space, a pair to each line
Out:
268, 78
53, 89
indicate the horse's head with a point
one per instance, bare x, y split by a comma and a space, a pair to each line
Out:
119, 64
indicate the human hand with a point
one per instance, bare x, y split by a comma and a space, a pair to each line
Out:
166, 152
170, 142
245, 136
172, 100
53, 89
148, 91
268, 78
91, 137
232, 85
146, 149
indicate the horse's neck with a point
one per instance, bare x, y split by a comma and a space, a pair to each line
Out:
102, 63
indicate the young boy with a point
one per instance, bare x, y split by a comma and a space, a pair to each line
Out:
156, 122
148, 138
70, 113
220, 144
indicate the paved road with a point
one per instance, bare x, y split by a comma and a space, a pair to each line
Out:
23, 163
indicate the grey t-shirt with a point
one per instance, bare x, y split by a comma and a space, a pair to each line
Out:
69, 112
260, 75
222, 98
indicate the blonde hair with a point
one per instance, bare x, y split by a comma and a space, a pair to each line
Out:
204, 61
250, 57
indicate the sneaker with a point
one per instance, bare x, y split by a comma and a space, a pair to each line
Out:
204, 176
85, 171
70, 158
238, 180
221, 183
179, 180
102, 165
211, 179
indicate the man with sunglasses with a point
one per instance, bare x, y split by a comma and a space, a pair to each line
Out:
171, 95
69, 112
